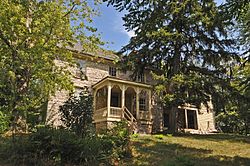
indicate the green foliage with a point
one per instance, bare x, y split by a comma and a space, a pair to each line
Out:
239, 10
119, 138
35, 37
77, 112
233, 109
230, 122
186, 44
50, 146
4, 122
159, 136
134, 135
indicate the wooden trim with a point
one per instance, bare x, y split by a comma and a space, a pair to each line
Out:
117, 81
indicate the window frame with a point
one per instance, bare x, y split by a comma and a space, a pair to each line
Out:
112, 71
141, 77
142, 104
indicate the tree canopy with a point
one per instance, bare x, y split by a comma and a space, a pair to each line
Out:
187, 45
34, 37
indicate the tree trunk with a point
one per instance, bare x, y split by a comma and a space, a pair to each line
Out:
173, 120
171, 88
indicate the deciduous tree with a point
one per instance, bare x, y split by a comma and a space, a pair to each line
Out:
34, 36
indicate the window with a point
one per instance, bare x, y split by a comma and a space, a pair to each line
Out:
142, 104
112, 71
81, 70
101, 92
140, 77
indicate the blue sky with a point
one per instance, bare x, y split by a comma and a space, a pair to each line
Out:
110, 25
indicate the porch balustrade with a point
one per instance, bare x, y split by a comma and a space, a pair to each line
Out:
119, 113
116, 112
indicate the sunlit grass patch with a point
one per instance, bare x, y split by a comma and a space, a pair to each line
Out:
188, 150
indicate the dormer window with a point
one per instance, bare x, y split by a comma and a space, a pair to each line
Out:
112, 71
140, 77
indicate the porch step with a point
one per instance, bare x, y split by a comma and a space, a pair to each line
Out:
132, 122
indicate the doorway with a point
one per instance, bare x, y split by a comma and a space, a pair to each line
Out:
192, 120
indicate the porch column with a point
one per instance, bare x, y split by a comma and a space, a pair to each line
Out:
150, 104
186, 118
137, 103
123, 95
109, 98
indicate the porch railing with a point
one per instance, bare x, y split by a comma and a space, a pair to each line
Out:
116, 112
127, 115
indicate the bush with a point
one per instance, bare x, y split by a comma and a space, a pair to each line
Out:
4, 122
49, 146
77, 113
230, 122
119, 138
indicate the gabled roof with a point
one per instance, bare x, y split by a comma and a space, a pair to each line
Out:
99, 53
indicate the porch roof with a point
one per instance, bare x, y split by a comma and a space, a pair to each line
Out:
120, 81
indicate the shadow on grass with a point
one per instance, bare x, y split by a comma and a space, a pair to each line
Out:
218, 137
149, 152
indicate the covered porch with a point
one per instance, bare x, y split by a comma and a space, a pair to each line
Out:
116, 99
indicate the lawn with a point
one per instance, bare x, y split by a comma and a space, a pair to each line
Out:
188, 150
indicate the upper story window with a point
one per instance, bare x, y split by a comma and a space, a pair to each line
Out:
112, 71
140, 77
81, 70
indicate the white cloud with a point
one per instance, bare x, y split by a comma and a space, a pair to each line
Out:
118, 26
128, 33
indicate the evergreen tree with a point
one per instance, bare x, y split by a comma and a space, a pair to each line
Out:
185, 43
239, 12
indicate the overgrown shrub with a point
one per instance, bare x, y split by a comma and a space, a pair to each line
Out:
4, 122
49, 146
119, 136
230, 122
77, 112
